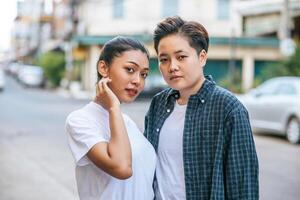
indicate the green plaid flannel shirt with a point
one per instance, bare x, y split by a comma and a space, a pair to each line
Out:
219, 155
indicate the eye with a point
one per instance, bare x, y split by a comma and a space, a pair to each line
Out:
180, 58
129, 69
162, 60
144, 74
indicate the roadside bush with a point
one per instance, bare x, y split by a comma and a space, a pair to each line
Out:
232, 82
292, 64
287, 67
53, 64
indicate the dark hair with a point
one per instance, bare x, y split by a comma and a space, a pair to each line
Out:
116, 46
195, 32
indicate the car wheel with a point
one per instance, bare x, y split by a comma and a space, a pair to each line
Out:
293, 130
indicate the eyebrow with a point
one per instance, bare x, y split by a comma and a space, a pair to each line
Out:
176, 52
179, 51
143, 68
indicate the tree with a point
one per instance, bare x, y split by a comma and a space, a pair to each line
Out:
288, 67
292, 65
53, 63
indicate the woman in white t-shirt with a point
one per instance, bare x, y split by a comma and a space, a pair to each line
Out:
114, 161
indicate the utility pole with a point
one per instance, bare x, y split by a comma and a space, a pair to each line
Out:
68, 43
285, 21
287, 45
231, 67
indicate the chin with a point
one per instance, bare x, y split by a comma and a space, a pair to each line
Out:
128, 99
176, 86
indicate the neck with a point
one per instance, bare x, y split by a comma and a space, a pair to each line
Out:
185, 94
96, 100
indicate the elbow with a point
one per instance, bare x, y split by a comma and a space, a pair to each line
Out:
123, 172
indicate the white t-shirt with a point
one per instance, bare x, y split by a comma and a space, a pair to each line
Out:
169, 169
90, 125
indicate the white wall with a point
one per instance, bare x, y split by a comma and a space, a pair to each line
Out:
141, 16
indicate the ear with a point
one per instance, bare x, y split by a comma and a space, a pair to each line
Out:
102, 69
202, 57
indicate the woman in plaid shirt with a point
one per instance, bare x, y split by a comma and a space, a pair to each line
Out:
200, 131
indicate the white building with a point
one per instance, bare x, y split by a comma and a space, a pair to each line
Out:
227, 22
31, 28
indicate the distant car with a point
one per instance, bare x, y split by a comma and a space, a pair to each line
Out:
2, 80
14, 68
274, 107
154, 84
31, 76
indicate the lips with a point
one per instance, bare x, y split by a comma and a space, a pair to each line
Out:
131, 91
175, 77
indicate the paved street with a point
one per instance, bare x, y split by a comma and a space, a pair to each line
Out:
35, 162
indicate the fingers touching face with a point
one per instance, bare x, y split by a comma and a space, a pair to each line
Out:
126, 74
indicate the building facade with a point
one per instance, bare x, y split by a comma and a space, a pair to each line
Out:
32, 27
244, 34
237, 45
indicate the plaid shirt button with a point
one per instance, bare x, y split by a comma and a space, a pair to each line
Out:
157, 130
168, 110
202, 100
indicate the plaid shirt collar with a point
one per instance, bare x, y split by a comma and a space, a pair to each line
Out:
201, 94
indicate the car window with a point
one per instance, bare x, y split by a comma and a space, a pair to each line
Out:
267, 88
286, 89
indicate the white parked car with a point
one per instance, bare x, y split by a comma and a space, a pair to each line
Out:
31, 76
274, 107
2, 80
14, 68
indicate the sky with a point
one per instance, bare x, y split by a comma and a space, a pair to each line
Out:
8, 12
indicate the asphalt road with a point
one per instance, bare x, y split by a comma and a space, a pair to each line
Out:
35, 162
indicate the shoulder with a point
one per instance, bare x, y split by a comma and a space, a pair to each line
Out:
80, 114
223, 94
227, 99
159, 100
163, 95
83, 117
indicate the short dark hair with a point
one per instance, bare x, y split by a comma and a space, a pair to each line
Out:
116, 46
195, 32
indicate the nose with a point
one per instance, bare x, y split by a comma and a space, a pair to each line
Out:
173, 66
136, 79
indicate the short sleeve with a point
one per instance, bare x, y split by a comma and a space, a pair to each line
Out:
83, 133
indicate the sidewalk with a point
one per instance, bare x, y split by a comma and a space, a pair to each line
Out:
75, 93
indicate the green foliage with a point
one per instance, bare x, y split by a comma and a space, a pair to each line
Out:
270, 71
288, 67
53, 64
232, 82
292, 65
76, 71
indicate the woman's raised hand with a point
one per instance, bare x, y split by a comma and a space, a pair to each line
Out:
105, 96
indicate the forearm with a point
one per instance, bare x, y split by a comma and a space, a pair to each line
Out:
119, 149
114, 156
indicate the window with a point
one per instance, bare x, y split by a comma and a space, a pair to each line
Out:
169, 8
118, 8
267, 88
223, 9
286, 89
